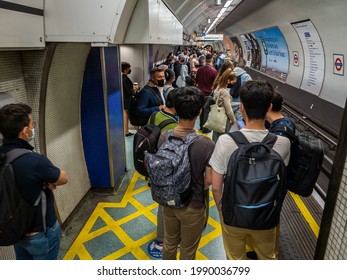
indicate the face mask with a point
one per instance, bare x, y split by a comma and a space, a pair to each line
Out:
160, 83
129, 71
33, 134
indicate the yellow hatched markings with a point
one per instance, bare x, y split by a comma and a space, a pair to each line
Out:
132, 246
306, 213
78, 248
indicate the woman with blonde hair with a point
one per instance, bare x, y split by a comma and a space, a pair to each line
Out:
222, 97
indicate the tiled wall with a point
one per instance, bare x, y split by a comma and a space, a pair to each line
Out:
337, 242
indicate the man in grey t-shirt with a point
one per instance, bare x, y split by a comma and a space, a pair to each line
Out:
256, 99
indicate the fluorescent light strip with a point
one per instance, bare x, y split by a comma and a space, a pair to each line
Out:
222, 11
228, 3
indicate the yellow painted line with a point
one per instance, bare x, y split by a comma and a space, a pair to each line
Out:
306, 213
136, 247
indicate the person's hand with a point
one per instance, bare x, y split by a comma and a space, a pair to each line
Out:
161, 107
219, 206
51, 186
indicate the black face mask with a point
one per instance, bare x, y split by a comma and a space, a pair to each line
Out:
129, 71
161, 83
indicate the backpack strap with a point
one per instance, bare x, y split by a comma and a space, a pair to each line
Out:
152, 118
163, 123
270, 139
239, 138
285, 130
15, 153
155, 94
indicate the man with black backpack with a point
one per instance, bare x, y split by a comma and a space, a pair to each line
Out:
27, 179
180, 174
146, 139
307, 151
251, 165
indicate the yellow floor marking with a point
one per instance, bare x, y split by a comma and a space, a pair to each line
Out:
78, 250
306, 213
137, 247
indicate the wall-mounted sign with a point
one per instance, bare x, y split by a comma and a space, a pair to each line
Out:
312, 80
210, 37
295, 58
274, 52
338, 64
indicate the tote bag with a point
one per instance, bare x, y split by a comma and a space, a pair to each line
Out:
217, 119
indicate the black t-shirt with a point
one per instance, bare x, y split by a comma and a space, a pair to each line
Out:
128, 91
32, 171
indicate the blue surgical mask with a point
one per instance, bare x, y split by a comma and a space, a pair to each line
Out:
33, 134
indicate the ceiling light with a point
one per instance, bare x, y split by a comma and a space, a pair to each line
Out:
223, 10
228, 3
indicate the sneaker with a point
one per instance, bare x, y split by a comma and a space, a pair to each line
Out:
129, 134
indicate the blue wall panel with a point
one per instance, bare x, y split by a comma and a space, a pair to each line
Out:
93, 123
115, 111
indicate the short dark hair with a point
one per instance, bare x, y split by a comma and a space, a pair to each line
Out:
277, 101
170, 99
13, 118
256, 97
169, 74
188, 102
125, 65
155, 70
209, 57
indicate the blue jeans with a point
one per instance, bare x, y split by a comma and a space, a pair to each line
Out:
39, 246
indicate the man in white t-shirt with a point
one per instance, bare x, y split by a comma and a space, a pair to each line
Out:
256, 99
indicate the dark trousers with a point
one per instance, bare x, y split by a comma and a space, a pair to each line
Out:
203, 116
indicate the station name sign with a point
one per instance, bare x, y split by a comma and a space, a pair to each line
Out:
210, 37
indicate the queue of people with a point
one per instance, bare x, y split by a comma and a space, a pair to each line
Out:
246, 107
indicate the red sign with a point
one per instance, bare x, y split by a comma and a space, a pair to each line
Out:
338, 64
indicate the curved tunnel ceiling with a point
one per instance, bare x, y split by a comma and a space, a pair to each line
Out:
194, 14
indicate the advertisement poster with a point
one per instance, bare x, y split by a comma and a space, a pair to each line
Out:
274, 53
253, 51
236, 50
313, 56
248, 49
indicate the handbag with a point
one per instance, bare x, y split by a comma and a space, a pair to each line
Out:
217, 119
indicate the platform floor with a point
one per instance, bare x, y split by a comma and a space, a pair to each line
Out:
121, 225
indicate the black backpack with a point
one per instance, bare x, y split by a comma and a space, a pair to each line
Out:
135, 119
255, 184
16, 215
146, 139
306, 158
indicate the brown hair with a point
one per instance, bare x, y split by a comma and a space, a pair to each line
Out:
226, 77
227, 64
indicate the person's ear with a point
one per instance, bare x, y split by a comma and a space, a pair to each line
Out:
242, 109
270, 108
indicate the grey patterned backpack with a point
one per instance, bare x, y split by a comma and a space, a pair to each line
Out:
169, 171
